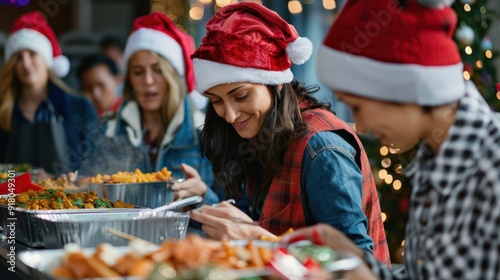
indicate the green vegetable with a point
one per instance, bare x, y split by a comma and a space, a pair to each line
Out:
78, 202
99, 203
60, 202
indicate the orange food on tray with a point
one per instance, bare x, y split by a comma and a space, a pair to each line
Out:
273, 238
192, 253
131, 177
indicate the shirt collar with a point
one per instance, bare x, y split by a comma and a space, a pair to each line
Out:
461, 148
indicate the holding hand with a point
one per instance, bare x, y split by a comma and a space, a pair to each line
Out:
193, 185
226, 221
326, 235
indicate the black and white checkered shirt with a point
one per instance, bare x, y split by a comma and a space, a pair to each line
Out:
453, 230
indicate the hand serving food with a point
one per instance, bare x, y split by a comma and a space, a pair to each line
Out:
193, 185
225, 221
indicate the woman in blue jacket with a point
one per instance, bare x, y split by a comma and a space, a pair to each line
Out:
157, 125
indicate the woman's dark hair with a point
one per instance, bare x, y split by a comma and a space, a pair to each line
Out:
256, 161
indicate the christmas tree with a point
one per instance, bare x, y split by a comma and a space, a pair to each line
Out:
478, 54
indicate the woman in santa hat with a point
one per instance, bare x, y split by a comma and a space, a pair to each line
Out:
157, 125
284, 157
405, 85
40, 122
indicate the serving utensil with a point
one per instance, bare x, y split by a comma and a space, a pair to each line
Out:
178, 204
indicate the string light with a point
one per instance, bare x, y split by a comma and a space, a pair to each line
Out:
479, 64
396, 185
384, 216
399, 168
393, 150
196, 12
466, 75
382, 173
483, 10
384, 151
386, 162
222, 3
467, 8
468, 50
498, 95
329, 4
205, 1
388, 179
488, 54
294, 6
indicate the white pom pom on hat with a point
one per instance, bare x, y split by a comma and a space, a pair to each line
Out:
61, 66
300, 50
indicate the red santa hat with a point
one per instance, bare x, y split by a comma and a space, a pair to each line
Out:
394, 50
157, 33
31, 31
246, 42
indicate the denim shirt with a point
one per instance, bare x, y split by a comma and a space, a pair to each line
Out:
331, 188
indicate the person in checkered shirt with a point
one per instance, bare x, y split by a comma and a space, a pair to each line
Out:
396, 65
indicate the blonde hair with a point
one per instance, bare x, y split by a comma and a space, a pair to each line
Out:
176, 90
10, 87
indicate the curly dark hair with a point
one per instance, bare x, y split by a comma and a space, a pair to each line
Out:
256, 161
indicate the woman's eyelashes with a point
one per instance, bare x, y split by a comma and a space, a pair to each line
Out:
237, 98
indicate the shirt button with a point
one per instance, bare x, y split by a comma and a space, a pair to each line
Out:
419, 261
423, 221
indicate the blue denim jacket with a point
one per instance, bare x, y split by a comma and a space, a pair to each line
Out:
331, 188
125, 150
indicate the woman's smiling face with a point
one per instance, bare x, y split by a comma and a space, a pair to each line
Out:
244, 105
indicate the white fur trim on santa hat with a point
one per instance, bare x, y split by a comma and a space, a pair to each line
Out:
158, 42
31, 40
300, 50
209, 74
402, 83
61, 66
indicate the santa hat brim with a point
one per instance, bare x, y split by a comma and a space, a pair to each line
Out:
400, 83
145, 39
29, 39
209, 74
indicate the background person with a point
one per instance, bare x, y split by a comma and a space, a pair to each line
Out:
407, 93
99, 81
40, 122
157, 126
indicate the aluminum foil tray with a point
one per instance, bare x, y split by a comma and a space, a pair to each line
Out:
90, 229
28, 226
154, 194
